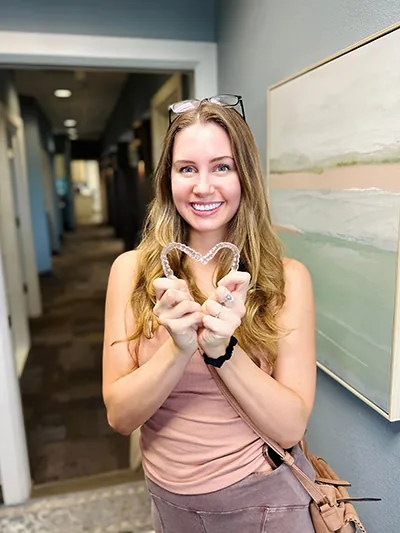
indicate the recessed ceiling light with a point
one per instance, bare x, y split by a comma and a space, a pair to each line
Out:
70, 123
62, 93
72, 133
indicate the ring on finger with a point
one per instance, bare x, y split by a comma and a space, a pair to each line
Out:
228, 298
219, 313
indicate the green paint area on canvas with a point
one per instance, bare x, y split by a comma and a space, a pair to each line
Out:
354, 286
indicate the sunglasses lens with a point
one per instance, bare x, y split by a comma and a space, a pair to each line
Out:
185, 105
225, 99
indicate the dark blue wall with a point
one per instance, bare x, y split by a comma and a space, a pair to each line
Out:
153, 19
261, 43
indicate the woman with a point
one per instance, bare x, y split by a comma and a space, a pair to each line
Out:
204, 466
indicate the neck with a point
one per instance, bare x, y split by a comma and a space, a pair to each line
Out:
203, 242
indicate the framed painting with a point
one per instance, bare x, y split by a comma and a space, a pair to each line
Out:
333, 175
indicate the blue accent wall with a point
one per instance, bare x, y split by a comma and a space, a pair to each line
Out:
261, 43
153, 19
47, 142
40, 225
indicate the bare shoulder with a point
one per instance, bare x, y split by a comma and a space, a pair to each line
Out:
125, 267
127, 261
297, 276
299, 294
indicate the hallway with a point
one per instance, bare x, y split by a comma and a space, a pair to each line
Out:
67, 430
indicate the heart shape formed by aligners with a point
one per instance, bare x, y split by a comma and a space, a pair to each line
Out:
204, 259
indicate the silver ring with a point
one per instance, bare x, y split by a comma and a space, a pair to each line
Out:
228, 298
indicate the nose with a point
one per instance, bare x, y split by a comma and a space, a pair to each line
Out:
203, 187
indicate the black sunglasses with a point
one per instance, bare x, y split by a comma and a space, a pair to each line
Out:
227, 100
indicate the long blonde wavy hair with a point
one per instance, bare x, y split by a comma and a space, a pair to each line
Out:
250, 229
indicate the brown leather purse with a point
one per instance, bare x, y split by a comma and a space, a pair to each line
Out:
331, 507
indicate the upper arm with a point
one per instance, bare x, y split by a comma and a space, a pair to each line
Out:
296, 362
118, 358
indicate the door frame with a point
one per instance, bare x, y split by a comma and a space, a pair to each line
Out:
21, 49
14, 226
166, 95
31, 275
14, 463
24, 49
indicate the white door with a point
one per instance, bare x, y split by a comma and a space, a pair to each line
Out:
23, 211
11, 252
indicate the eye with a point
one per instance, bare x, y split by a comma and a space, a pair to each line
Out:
187, 170
223, 167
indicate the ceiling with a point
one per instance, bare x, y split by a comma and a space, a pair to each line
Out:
94, 95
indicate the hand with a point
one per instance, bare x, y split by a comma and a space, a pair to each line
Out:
178, 312
223, 313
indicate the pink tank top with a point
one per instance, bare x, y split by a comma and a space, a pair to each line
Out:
196, 443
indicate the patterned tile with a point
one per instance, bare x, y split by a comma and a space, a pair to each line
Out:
120, 509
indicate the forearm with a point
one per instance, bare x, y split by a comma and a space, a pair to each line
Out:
277, 411
134, 398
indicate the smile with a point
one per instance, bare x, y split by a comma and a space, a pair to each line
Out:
206, 207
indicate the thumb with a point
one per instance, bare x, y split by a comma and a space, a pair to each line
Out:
229, 284
183, 286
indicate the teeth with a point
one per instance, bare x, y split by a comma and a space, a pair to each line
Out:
206, 207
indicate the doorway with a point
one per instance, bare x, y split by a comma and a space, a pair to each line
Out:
107, 52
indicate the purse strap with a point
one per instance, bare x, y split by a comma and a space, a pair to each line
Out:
317, 495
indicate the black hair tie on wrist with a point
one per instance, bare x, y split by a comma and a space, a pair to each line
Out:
219, 361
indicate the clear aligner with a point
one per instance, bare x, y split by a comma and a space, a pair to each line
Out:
204, 259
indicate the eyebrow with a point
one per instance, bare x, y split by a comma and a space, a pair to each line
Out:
187, 161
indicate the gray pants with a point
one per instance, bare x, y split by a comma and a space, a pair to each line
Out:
272, 502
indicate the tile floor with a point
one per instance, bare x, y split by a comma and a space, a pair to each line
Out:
117, 509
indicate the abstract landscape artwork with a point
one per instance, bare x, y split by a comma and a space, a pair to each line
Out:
333, 161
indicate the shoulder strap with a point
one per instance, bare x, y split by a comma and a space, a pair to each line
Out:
308, 484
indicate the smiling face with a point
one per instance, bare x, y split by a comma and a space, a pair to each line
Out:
204, 181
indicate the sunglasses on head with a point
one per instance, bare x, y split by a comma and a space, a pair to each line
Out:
227, 100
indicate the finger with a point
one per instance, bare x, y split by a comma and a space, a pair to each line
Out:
217, 326
184, 308
212, 308
189, 321
169, 299
236, 282
224, 297
161, 285
183, 286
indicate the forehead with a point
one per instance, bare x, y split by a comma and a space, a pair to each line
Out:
201, 139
